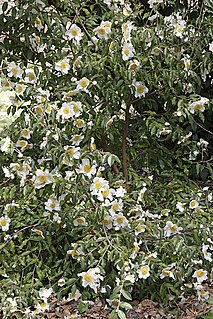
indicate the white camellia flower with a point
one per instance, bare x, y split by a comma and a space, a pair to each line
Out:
140, 89
76, 108
80, 221
180, 206
198, 105
26, 133
107, 221
45, 293
5, 223
65, 111
14, 70
72, 152
22, 144
82, 84
52, 204
86, 168
116, 206
74, 295
6, 143
38, 23
143, 272
63, 66
119, 220
61, 282
206, 254
211, 46
153, 3
200, 275
128, 51
193, 204
202, 293
73, 32
171, 229
42, 178
166, 272
91, 278
98, 184
103, 30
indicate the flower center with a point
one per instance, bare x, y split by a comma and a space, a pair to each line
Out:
87, 168
3, 222
88, 277
199, 273
144, 270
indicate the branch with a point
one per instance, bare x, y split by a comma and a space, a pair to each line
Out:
81, 23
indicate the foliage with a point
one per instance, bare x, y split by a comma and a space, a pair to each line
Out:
115, 112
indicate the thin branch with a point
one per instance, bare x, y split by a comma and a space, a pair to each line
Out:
203, 128
81, 23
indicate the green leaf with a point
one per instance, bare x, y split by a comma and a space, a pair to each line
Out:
121, 314
82, 307
112, 314
125, 305
4, 6
126, 294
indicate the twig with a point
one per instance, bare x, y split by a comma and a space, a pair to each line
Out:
81, 23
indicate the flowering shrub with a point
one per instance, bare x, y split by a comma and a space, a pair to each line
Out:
95, 195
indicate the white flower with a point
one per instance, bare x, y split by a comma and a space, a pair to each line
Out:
165, 212
179, 28
44, 293
14, 70
61, 282
128, 51
119, 220
164, 131
77, 139
65, 111
180, 206
42, 307
120, 192
38, 23
207, 255
193, 204
42, 178
82, 84
140, 228
107, 221
143, 272
20, 88
63, 66
141, 194
74, 295
52, 204
22, 144
73, 152
5, 223
103, 30
73, 32
140, 89
98, 184
198, 105
116, 206
80, 123
86, 169
91, 278
171, 229
26, 133
80, 221
76, 108
200, 275
5, 147
202, 293
186, 61
166, 272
